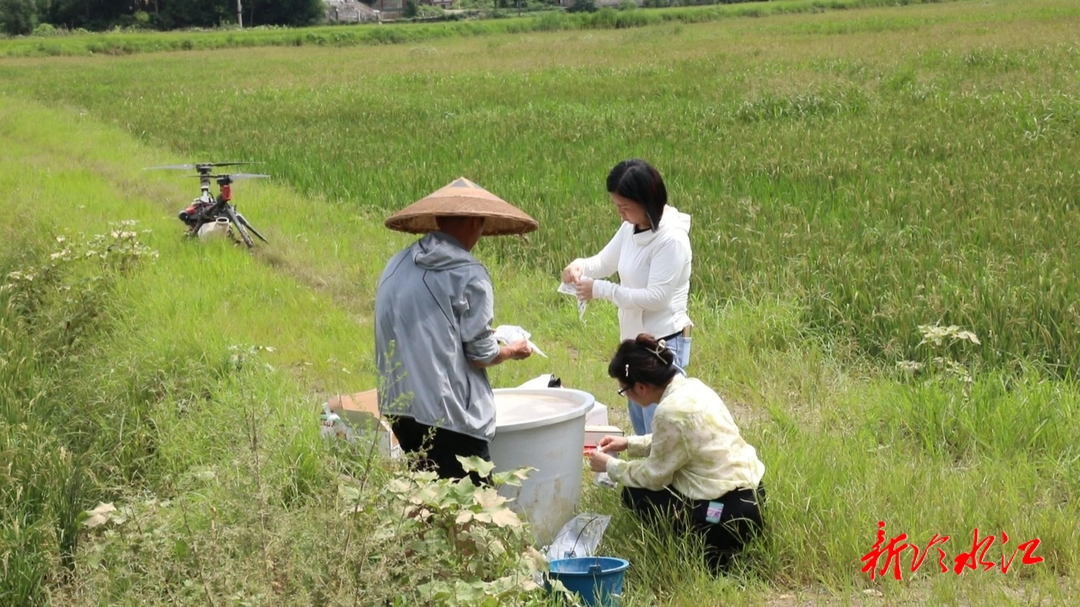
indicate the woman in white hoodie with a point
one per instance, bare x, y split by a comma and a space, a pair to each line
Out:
651, 253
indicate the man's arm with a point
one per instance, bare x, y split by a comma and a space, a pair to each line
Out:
519, 350
479, 340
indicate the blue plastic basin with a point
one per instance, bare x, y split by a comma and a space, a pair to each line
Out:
598, 580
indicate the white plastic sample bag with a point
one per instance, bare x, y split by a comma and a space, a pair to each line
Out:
505, 334
569, 289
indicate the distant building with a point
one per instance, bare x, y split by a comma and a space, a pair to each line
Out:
343, 11
389, 9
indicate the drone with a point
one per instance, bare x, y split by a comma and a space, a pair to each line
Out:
207, 212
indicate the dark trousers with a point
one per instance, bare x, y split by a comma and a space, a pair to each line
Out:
438, 448
739, 521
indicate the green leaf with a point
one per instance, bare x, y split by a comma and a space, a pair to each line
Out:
348, 494
477, 465
505, 518
488, 498
181, 549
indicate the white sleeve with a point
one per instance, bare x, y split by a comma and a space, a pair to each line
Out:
606, 262
665, 268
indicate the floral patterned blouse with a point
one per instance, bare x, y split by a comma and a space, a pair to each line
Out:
695, 447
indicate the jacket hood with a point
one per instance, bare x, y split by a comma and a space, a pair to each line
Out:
674, 219
440, 251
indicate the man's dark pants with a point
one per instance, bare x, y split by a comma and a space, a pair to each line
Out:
438, 447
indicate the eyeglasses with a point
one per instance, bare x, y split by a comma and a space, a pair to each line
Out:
624, 390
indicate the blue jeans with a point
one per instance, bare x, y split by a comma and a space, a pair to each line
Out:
641, 417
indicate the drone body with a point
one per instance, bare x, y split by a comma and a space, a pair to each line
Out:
207, 208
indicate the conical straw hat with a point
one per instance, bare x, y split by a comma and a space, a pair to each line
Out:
462, 198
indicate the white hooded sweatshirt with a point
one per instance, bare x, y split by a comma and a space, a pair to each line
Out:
654, 275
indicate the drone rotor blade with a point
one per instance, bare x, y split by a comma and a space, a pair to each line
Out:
247, 176
175, 167
229, 164
181, 167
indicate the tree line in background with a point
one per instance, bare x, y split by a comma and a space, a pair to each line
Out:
45, 17
24, 16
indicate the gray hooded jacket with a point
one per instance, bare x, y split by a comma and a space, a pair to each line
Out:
433, 313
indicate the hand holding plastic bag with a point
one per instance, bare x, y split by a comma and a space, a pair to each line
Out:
506, 334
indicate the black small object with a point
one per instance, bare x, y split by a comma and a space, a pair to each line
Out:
554, 382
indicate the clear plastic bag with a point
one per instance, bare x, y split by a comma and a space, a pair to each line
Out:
569, 289
580, 536
506, 334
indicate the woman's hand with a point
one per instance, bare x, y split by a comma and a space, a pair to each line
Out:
584, 289
613, 444
598, 461
572, 273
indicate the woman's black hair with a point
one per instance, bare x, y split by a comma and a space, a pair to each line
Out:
639, 181
643, 360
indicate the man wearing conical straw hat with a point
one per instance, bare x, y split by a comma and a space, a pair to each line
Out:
433, 336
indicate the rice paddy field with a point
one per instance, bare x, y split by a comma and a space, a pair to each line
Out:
861, 179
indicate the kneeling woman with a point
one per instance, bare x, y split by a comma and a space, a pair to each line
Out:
697, 469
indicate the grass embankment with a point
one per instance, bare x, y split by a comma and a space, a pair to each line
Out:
150, 403
126, 43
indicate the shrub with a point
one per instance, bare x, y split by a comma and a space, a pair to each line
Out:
583, 6
44, 29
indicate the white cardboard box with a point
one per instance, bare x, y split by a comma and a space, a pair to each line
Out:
593, 434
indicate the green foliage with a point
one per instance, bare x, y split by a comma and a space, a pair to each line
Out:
61, 299
583, 6
18, 17
411, 10
44, 30
427, 10
286, 12
57, 308
449, 542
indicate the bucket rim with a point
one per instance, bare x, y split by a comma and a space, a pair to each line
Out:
622, 565
583, 403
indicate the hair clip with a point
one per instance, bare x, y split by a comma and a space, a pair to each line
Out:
626, 371
660, 347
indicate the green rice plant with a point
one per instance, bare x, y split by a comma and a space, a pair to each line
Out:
879, 195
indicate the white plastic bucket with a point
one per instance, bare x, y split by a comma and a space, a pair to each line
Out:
543, 428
